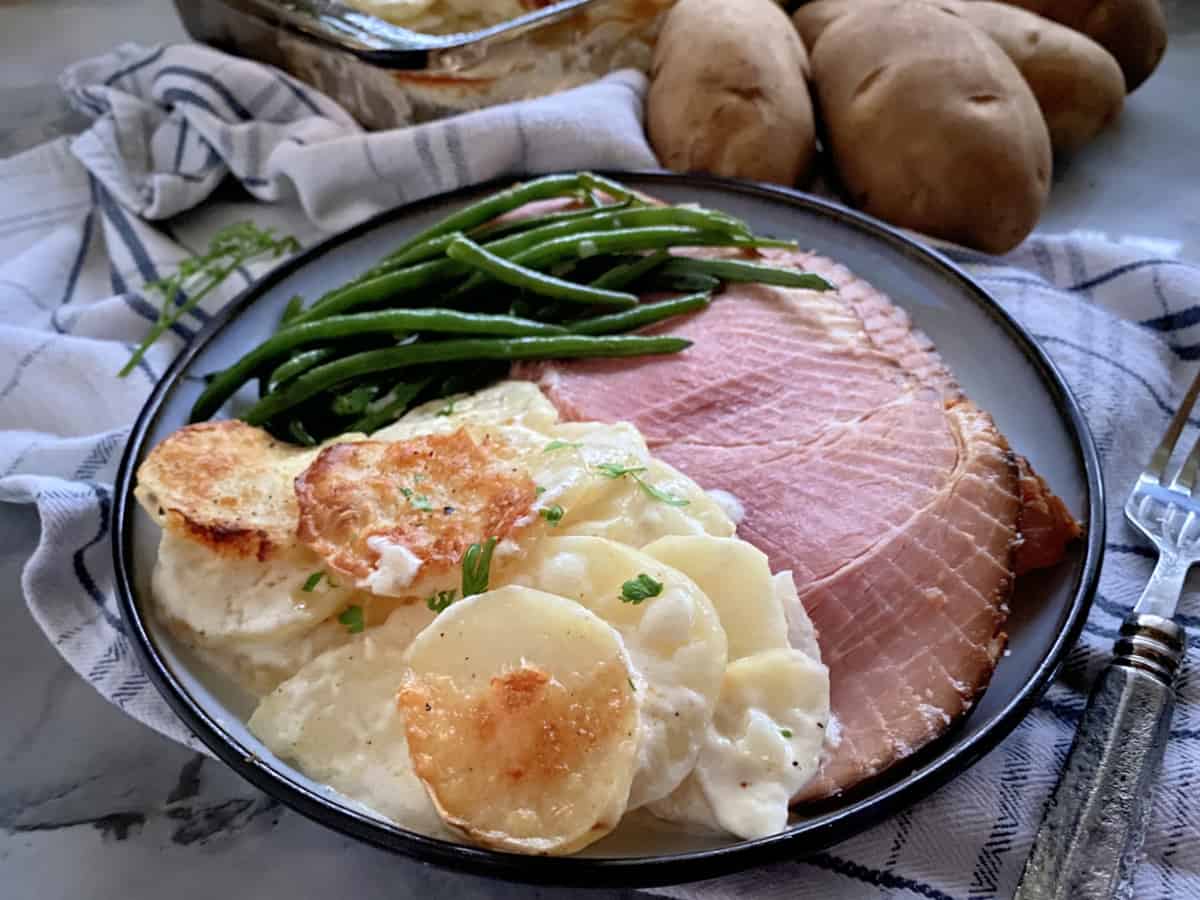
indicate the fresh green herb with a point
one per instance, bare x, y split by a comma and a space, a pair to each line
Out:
632, 686
448, 409
561, 445
312, 581
439, 601
231, 247
539, 490
415, 500
659, 494
638, 589
786, 732
352, 618
476, 563
616, 470
552, 514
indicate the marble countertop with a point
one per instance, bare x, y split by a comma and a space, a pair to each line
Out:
92, 804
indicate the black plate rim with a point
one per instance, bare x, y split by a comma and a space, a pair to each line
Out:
797, 842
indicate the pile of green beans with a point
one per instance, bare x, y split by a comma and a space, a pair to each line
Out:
560, 285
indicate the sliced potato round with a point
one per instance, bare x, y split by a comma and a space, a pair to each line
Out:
508, 403
223, 484
764, 742
258, 666
674, 638
737, 579
220, 598
659, 501
337, 721
522, 720
394, 515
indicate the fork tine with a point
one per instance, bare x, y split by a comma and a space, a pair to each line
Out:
1158, 462
1186, 479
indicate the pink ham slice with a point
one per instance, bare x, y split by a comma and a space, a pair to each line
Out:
863, 469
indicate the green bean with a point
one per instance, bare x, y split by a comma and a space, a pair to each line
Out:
430, 249
690, 282
466, 251
451, 321
390, 359
592, 243
298, 363
380, 288
741, 270
492, 206
389, 408
354, 401
626, 274
298, 432
498, 230
294, 307
590, 181
628, 319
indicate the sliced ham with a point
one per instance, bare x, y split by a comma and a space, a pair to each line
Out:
864, 470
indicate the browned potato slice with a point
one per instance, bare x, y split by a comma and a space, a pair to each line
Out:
523, 721
226, 485
385, 512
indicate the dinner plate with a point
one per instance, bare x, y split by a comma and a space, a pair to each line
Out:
996, 361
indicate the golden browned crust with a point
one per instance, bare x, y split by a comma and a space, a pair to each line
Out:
223, 484
526, 735
434, 494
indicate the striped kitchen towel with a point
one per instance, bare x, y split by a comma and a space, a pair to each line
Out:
87, 222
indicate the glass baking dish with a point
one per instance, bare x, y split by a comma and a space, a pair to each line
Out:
387, 76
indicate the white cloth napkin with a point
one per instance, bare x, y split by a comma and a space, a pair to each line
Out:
171, 123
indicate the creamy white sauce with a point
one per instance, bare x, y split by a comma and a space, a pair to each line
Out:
730, 505
396, 569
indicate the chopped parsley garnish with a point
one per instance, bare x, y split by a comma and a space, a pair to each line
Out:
539, 490
641, 588
352, 618
476, 564
561, 445
415, 500
786, 732
552, 514
312, 581
448, 409
616, 470
439, 601
659, 494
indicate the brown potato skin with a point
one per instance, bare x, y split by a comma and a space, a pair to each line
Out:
931, 126
728, 93
1133, 31
1077, 83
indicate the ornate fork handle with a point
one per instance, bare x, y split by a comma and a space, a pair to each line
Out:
1087, 845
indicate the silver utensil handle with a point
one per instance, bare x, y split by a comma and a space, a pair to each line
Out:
1087, 845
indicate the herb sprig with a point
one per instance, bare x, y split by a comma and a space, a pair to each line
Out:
476, 566
353, 619
233, 246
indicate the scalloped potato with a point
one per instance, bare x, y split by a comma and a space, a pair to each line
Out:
582, 678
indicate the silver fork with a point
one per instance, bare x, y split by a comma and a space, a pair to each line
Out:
1088, 843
